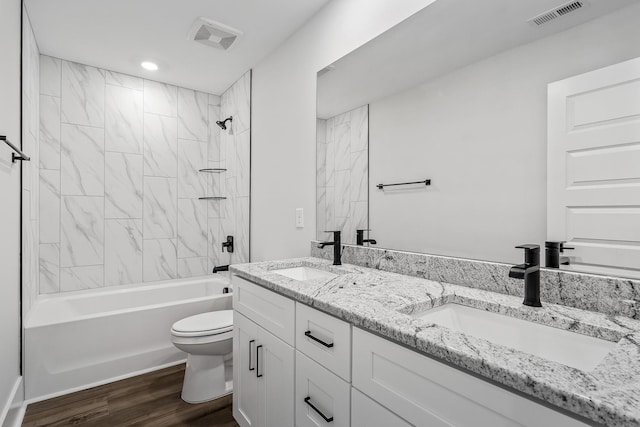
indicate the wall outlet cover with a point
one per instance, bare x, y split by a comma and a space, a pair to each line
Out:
299, 218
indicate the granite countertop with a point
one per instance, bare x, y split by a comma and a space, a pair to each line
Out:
382, 302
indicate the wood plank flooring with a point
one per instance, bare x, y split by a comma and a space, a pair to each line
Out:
147, 400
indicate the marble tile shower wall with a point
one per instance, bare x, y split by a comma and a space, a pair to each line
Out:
120, 181
30, 170
342, 193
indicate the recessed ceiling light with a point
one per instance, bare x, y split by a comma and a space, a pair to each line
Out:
151, 66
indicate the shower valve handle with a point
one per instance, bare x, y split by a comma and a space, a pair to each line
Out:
228, 244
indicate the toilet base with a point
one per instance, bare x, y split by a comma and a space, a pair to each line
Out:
206, 378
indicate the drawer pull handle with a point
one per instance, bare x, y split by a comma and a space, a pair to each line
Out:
251, 368
307, 399
308, 334
258, 374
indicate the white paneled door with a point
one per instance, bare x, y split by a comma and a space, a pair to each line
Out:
593, 174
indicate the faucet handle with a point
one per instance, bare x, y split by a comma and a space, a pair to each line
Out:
531, 254
336, 233
528, 247
564, 248
557, 245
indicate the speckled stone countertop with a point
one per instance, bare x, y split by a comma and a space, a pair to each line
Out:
382, 302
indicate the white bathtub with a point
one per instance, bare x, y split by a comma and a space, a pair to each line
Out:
77, 340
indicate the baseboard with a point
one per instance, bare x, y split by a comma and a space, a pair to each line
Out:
13, 412
15, 416
103, 382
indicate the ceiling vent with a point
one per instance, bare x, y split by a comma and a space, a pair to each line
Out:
557, 12
214, 34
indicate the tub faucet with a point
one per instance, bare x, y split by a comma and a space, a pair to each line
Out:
360, 240
530, 272
217, 269
336, 246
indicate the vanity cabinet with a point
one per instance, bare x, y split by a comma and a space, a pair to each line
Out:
294, 365
263, 370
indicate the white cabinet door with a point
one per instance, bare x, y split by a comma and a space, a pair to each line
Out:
593, 168
322, 398
366, 412
245, 382
275, 375
263, 373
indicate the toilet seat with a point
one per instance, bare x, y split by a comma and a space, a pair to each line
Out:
205, 324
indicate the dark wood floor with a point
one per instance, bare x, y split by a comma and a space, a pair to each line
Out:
147, 400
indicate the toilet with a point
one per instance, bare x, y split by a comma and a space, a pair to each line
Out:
207, 339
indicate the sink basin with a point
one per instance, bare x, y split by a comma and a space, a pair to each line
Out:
304, 273
569, 348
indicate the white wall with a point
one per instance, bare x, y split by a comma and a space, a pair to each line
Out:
480, 134
284, 118
10, 197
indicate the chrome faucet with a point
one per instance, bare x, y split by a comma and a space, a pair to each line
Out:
336, 247
530, 272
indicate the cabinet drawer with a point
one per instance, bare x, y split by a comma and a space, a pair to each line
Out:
319, 395
429, 393
366, 412
271, 311
325, 339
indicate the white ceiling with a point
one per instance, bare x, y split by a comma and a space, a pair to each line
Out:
444, 36
119, 34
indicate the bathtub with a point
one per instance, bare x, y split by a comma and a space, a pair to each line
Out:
77, 340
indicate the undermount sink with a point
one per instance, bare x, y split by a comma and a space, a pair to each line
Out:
568, 348
304, 273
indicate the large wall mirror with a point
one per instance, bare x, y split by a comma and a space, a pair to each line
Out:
479, 98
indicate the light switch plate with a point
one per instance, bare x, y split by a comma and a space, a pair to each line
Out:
299, 218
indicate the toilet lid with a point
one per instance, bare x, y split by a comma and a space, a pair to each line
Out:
215, 322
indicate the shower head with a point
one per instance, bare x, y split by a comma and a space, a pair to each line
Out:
222, 123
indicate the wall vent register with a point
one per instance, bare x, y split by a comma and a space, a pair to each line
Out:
557, 12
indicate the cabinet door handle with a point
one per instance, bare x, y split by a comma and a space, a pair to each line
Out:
308, 334
251, 368
307, 401
258, 374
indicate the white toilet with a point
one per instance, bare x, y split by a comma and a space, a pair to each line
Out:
207, 339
